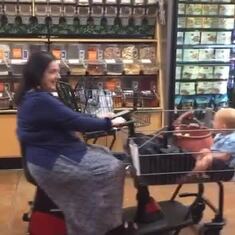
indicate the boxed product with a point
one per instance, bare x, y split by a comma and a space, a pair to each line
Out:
205, 72
225, 23
179, 54
194, 22
187, 88
193, 9
190, 72
226, 10
221, 72
191, 54
177, 88
206, 54
204, 87
210, 9
192, 38
224, 37
181, 22
208, 38
222, 55
181, 9
180, 38
219, 87
209, 22
187, 102
178, 72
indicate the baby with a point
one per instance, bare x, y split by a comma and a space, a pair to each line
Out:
221, 156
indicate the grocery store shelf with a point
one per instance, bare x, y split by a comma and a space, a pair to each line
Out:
200, 80
208, 63
205, 3
96, 40
208, 16
15, 39
204, 29
142, 109
198, 46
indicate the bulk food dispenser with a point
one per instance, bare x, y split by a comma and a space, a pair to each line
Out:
111, 11
138, 12
70, 10
41, 10
25, 10
97, 11
151, 12
55, 10
83, 11
125, 12
4, 59
18, 57
76, 59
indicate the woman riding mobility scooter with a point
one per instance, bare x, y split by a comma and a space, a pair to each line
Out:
154, 163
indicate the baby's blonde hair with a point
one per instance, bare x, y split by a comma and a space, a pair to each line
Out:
227, 116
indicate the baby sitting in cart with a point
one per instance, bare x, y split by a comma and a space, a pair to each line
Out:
219, 161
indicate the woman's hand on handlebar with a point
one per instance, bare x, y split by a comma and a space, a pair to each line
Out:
118, 121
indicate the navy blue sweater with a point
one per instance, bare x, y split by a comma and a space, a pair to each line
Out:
45, 126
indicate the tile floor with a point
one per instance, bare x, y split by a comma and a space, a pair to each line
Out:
15, 192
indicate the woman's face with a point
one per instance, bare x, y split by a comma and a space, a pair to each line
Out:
50, 77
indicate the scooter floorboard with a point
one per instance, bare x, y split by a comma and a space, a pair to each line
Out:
174, 218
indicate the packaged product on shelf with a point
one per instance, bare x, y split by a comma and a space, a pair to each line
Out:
130, 52
187, 102
210, 9
148, 66
149, 99
180, 38
203, 101
190, 72
206, 54
114, 66
194, 22
112, 52
225, 23
191, 55
179, 55
205, 72
181, 8
221, 72
226, 10
221, 101
147, 52
178, 72
220, 87
181, 23
193, 9
177, 88
187, 88
209, 22
208, 38
94, 52
192, 38
131, 67
224, 37
204, 87
128, 98
222, 55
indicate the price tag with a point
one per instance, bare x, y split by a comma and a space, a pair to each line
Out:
56, 53
82, 54
55, 1
97, 1
152, 1
17, 53
69, 1
125, 1
146, 61
110, 61
84, 2
127, 61
139, 2
18, 61
73, 61
111, 1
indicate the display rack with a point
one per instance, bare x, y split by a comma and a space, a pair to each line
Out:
204, 71
56, 26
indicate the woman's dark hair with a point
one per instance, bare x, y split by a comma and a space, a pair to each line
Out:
33, 73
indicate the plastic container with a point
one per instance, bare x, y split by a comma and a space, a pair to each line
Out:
131, 67
96, 68
148, 67
4, 103
114, 67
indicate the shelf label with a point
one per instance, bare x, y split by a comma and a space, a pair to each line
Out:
97, 1
125, 61
69, 1
73, 61
92, 54
125, 1
55, 1
111, 1
17, 53
152, 1
18, 61
139, 2
146, 61
84, 2
110, 61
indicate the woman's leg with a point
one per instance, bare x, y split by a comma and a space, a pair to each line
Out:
89, 193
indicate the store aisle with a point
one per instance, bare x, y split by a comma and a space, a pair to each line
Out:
15, 193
